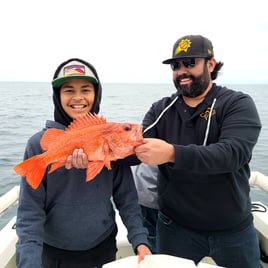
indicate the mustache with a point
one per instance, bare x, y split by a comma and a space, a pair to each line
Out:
183, 76
180, 77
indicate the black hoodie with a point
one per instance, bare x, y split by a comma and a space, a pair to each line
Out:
207, 187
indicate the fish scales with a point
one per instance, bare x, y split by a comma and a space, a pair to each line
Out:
102, 141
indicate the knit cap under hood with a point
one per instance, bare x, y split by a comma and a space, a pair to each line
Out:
59, 114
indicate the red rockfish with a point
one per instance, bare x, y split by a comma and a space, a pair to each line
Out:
102, 141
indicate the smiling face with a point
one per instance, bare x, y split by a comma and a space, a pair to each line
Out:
194, 81
77, 97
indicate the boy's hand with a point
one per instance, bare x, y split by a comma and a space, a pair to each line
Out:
142, 251
77, 160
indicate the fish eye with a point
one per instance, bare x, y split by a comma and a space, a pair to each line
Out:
127, 128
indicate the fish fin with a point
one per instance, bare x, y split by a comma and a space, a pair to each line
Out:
93, 169
107, 153
86, 121
50, 136
33, 169
56, 165
107, 163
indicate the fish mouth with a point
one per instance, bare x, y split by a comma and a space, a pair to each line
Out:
137, 135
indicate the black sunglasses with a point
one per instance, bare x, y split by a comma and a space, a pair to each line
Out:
187, 63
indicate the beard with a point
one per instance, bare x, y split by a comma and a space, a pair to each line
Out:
197, 87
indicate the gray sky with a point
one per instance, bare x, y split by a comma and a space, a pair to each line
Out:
128, 40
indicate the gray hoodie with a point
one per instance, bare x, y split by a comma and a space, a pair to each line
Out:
68, 213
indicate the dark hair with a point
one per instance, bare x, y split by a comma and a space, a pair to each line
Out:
216, 70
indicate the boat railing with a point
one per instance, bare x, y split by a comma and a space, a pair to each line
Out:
8, 236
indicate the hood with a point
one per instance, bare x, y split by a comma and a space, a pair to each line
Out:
59, 114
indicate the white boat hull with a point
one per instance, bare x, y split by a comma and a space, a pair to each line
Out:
125, 255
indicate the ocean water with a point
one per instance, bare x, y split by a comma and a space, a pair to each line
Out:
25, 106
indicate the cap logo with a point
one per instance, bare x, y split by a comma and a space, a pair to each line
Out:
74, 70
184, 45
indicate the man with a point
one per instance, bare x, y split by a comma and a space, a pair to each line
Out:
202, 139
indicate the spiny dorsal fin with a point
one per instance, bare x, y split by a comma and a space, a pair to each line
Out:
86, 121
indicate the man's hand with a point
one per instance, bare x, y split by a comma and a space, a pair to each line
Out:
77, 160
142, 251
155, 152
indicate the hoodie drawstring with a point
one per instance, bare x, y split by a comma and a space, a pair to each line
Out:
162, 113
159, 117
209, 120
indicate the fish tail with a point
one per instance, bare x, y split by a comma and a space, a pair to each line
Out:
33, 169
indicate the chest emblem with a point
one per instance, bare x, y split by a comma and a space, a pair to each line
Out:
206, 113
